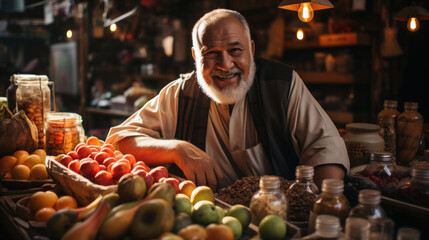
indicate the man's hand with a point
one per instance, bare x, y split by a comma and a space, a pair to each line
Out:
197, 165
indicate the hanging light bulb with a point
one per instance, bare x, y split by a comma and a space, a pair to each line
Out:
305, 12
69, 33
413, 24
113, 27
300, 34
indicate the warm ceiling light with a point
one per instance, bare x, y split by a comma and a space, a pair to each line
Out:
113, 27
305, 8
69, 34
300, 34
412, 14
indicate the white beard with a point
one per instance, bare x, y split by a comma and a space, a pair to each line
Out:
229, 94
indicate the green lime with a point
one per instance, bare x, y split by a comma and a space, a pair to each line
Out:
221, 214
272, 227
234, 224
242, 213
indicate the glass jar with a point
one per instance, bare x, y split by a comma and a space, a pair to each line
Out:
361, 140
331, 201
409, 130
268, 200
301, 195
34, 97
63, 132
387, 121
369, 205
416, 190
327, 228
407, 233
357, 229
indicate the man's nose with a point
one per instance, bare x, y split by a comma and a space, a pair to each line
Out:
225, 62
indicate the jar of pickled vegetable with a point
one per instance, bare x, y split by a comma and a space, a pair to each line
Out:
63, 132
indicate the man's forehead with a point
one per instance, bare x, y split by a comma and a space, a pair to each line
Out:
228, 25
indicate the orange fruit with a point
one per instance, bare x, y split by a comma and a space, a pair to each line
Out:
20, 172
93, 141
43, 214
6, 164
38, 172
41, 153
32, 160
20, 155
65, 202
41, 199
218, 231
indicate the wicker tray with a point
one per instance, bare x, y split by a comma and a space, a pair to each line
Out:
73, 184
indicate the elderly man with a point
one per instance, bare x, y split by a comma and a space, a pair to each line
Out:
234, 116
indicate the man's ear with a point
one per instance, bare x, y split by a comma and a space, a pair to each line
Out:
193, 53
253, 47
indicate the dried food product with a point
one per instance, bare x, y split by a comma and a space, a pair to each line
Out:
410, 130
387, 121
269, 200
242, 190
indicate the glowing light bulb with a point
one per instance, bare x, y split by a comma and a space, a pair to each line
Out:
413, 24
113, 27
69, 33
305, 12
300, 34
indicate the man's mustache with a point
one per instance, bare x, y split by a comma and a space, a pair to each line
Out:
218, 72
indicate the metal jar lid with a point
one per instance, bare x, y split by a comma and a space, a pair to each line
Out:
381, 156
362, 127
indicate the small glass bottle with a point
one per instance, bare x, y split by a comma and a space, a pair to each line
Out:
416, 190
331, 201
357, 229
407, 233
369, 205
361, 140
327, 228
387, 121
301, 195
409, 131
268, 200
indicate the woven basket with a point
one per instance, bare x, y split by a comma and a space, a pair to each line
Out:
73, 184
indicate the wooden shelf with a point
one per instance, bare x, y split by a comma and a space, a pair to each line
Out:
331, 40
327, 77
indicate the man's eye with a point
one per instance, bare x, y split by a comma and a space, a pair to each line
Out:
235, 51
210, 54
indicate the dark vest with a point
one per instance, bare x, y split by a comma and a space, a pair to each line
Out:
268, 101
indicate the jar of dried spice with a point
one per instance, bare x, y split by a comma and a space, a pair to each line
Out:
387, 121
33, 95
268, 200
63, 132
301, 195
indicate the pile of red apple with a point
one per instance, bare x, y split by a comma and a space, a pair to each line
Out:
102, 164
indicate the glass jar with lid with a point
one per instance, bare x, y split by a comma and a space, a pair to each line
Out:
416, 190
369, 205
327, 228
34, 97
268, 200
331, 201
410, 130
361, 140
301, 195
357, 229
63, 133
387, 121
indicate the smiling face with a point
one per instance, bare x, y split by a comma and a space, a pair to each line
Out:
224, 60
